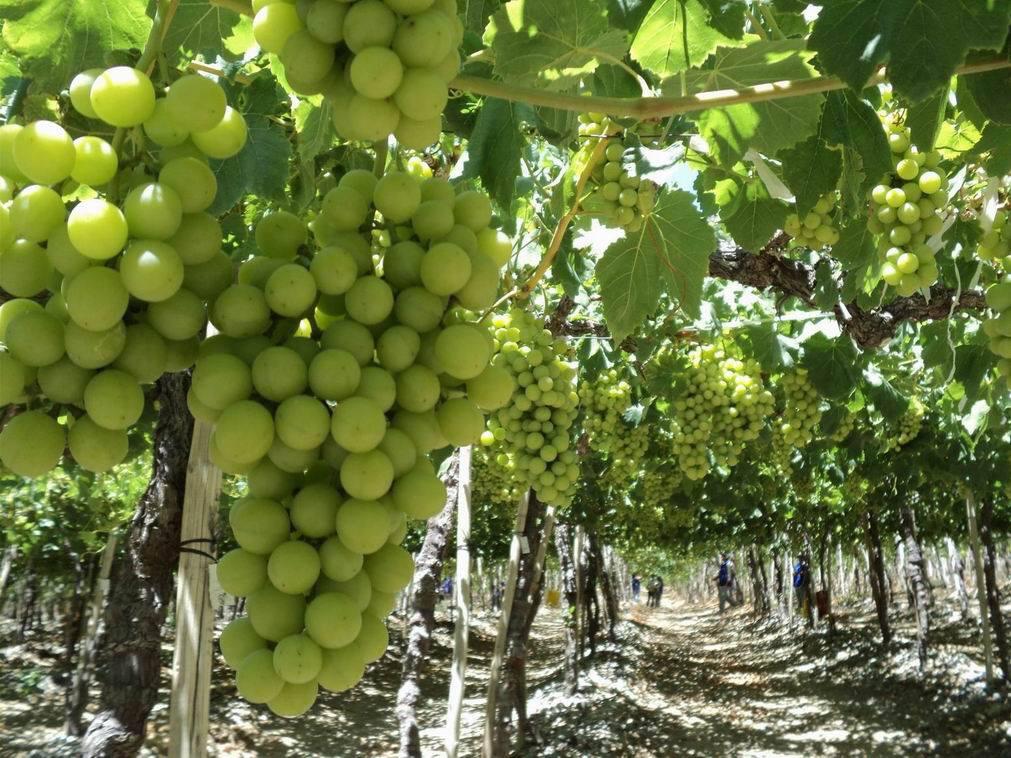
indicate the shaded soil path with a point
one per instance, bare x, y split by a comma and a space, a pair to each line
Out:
681, 681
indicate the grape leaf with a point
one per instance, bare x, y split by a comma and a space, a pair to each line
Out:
972, 364
55, 39
990, 92
756, 217
670, 252
886, 398
811, 169
675, 35
198, 26
315, 129
995, 140
727, 16
831, 365
850, 121
922, 41
766, 126
495, 147
924, 119
773, 351
261, 168
627, 14
552, 43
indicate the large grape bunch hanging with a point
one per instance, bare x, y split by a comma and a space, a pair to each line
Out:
802, 409
383, 65
110, 295
909, 426
619, 196
906, 209
534, 428
817, 230
719, 404
332, 427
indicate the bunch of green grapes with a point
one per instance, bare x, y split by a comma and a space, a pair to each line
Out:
107, 272
998, 327
625, 454
845, 428
619, 196
909, 426
658, 484
906, 209
384, 65
995, 244
535, 427
816, 230
332, 428
801, 409
720, 405
493, 478
604, 402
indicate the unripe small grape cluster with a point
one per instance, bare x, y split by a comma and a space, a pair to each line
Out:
817, 229
909, 426
720, 404
604, 402
123, 280
384, 65
332, 430
658, 485
535, 428
801, 409
905, 210
998, 326
619, 196
846, 426
626, 454
493, 478
995, 244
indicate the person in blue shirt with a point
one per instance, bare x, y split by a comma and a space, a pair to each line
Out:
725, 581
636, 587
801, 577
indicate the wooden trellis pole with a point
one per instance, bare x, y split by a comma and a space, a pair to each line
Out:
461, 632
192, 662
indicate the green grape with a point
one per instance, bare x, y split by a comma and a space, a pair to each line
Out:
221, 379
96, 163
195, 103
26, 270
376, 72
259, 525
397, 196
368, 23
418, 135
44, 152
36, 212
123, 96
153, 211
95, 448
290, 290
62, 381
334, 270
463, 350
423, 39
163, 128
80, 91
421, 94
225, 139
366, 476
92, 349
334, 374
294, 699
96, 298
325, 20
445, 268
178, 317
279, 373
193, 182
397, 348
198, 238
98, 229
306, 59
240, 311
358, 424
144, 355
370, 300
31, 444
35, 338
363, 525
280, 234
302, 422
273, 24
152, 271
114, 399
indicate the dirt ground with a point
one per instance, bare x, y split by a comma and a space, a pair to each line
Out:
680, 680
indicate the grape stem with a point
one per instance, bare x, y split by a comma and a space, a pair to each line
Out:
162, 20
241, 7
382, 148
564, 221
644, 108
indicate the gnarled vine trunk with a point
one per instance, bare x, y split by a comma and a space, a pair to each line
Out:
956, 566
606, 587
128, 654
512, 693
427, 570
916, 577
876, 573
567, 568
993, 598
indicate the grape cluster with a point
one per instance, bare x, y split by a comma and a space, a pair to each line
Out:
845, 428
659, 484
816, 230
801, 409
124, 281
534, 428
909, 426
905, 208
720, 405
332, 428
619, 196
494, 478
384, 65
995, 244
604, 402
998, 327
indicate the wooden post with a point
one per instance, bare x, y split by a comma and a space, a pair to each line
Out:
977, 559
577, 560
515, 550
461, 632
192, 662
